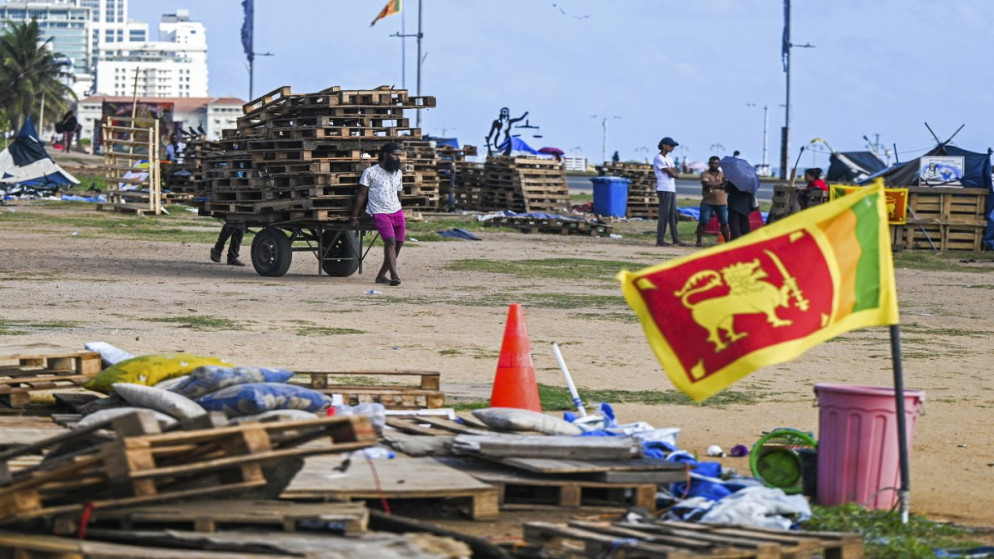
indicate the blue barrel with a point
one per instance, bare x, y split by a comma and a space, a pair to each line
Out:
610, 196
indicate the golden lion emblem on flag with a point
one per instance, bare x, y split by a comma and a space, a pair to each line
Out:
749, 292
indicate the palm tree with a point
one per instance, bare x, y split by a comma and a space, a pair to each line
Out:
31, 72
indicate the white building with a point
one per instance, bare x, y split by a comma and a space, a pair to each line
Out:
212, 114
173, 66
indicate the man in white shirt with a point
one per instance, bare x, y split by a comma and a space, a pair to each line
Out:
379, 193
666, 174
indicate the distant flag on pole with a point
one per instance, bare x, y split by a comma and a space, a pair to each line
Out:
785, 48
715, 316
392, 7
249, 6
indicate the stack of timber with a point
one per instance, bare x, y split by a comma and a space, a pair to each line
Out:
943, 218
524, 184
468, 186
535, 472
29, 368
555, 225
421, 192
144, 465
449, 158
354, 388
299, 156
183, 181
642, 200
660, 539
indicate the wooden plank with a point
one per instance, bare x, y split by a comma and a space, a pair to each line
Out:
545, 446
399, 478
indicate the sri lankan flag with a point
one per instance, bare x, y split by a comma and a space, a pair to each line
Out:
715, 316
392, 7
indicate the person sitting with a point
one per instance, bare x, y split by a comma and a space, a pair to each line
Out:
813, 179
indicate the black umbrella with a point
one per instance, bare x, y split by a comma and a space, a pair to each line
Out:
741, 173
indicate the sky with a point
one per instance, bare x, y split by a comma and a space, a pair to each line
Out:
598, 77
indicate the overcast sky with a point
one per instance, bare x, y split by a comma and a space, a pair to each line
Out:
689, 69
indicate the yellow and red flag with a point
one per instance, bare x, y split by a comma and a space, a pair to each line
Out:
897, 200
715, 316
392, 7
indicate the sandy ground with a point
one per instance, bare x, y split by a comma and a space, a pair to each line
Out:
109, 288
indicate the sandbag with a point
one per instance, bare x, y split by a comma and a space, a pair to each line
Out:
157, 399
112, 413
149, 370
249, 399
211, 378
513, 419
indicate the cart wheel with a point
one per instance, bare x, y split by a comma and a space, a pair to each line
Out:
271, 252
346, 246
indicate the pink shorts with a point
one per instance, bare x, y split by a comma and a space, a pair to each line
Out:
391, 226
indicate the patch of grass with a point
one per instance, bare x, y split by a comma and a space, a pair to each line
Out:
11, 328
884, 534
951, 332
326, 331
558, 398
201, 323
180, 225
938, 261
565, 301
549, 268
8, 275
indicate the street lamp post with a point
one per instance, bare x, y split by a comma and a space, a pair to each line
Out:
403, 58
604, 135
251, 62
785, 56
766, 121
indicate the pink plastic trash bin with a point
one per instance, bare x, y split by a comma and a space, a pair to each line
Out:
858, 458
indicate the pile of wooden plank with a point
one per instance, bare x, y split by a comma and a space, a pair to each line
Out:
556, 225
356, 387
30, 368
144, 465
943, 219
642, 200
524, 184
468, 186
299, 156
182, 181
449, 158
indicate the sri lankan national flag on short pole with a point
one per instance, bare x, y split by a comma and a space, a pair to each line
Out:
715, 316
392, 7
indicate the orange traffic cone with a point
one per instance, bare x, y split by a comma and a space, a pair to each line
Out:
514, 385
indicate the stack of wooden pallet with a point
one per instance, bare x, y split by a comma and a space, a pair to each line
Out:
28, 368
468, 185
181, 182
943, 219
421, 189
448, 159
299, 156
524, 184
144, 465
642, 200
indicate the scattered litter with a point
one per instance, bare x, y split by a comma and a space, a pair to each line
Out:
459, 233
373, 292
715, 450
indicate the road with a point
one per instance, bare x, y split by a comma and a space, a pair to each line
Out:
684, 187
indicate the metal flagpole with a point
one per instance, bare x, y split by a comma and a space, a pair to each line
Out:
420, 36
904, 491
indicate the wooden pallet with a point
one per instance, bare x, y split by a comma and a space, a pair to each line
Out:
553, 226
672, 540
27, 368
424, 394
396, 479
217, 514
152, 467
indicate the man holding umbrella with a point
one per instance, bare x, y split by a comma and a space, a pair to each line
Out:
666, 173
742, 185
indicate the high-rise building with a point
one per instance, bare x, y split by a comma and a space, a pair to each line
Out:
106, 52
173, 66
68, 25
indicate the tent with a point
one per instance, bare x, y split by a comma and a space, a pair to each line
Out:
26, 162
852, 166
976, 174
518, 147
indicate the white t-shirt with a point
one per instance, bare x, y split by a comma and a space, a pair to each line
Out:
383, 189
664, 182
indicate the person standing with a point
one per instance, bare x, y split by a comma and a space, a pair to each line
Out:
67, 125
379, 195
235, 232
714, 200
740, 206
666, 173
